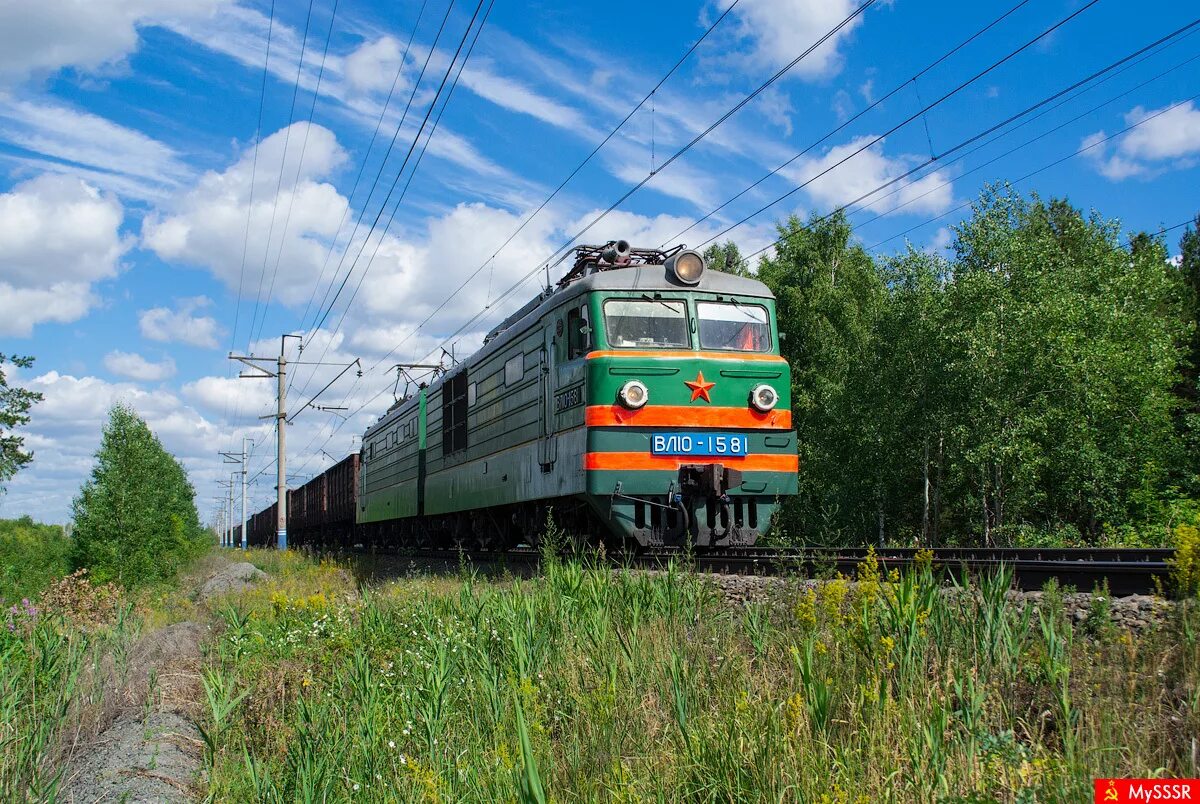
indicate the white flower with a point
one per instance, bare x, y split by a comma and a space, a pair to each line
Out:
356, 787
391, 743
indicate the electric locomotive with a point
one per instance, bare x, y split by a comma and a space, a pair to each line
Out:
642, 400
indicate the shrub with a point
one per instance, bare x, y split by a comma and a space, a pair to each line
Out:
32, 555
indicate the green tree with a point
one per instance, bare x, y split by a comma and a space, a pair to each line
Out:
1062, 356
726, 257
1188, 388
828, 296
135, 519
15, 404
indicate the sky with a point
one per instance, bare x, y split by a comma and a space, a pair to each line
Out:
179, 181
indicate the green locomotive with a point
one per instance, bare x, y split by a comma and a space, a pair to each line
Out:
641, 399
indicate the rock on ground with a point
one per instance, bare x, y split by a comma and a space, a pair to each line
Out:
138, 760
233, 578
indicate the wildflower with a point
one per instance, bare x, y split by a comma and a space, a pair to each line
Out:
357, 787
391, 743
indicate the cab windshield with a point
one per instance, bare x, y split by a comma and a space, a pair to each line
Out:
646, 323
740, 327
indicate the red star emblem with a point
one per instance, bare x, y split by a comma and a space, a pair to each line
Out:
699, 387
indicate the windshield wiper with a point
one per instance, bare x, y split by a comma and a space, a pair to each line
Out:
648, 298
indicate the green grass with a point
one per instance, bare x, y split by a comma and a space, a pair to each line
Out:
587, 684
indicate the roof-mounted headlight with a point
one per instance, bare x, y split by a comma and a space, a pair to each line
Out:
686, 266
633, 394
764, 398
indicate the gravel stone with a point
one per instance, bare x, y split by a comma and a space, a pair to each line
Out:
136, 760
233, 578
1134, 613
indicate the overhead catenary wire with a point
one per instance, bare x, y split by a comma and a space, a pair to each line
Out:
316, 93
883, 186
1083, 149
416, 140
366, 158
582, 164
675, 238
319, 320
996, 64
287, 137
416, 164
942, 99
412, 146
1009, 152
678, 153
237, 310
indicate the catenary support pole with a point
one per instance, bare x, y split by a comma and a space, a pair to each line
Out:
243, 533
281, 450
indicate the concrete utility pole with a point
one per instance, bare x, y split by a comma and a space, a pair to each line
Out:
244, 458
282, 420
227, 534
238, 458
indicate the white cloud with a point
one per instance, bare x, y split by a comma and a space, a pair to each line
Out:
135, 367
207, 225
515, 96
864, 172
58, 236
373, 65
99, 150
42, 36
180, 325
65, 433
1163, 139
943, 238
780, 30
222, 396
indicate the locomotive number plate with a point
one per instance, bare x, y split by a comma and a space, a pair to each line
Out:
699, 444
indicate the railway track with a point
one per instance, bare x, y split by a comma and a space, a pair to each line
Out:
1126, 571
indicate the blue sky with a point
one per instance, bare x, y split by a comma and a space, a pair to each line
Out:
145, 231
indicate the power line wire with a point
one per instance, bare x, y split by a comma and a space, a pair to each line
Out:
850, 121
287, 139
250, 207
366, 157
883, 186
946, 96
1028, 175
303, 146
320, 317
412, 146
729, 113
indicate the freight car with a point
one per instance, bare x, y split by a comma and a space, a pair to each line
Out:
641, 400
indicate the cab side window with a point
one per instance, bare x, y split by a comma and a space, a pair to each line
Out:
578, 332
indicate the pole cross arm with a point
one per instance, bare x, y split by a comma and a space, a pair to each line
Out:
252, 362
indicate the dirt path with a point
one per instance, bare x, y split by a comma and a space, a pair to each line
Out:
147, 747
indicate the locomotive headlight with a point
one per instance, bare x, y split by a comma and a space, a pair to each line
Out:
764, 397
687, 266
633, 394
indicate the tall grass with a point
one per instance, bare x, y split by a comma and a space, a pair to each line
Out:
590, 684
49, 657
